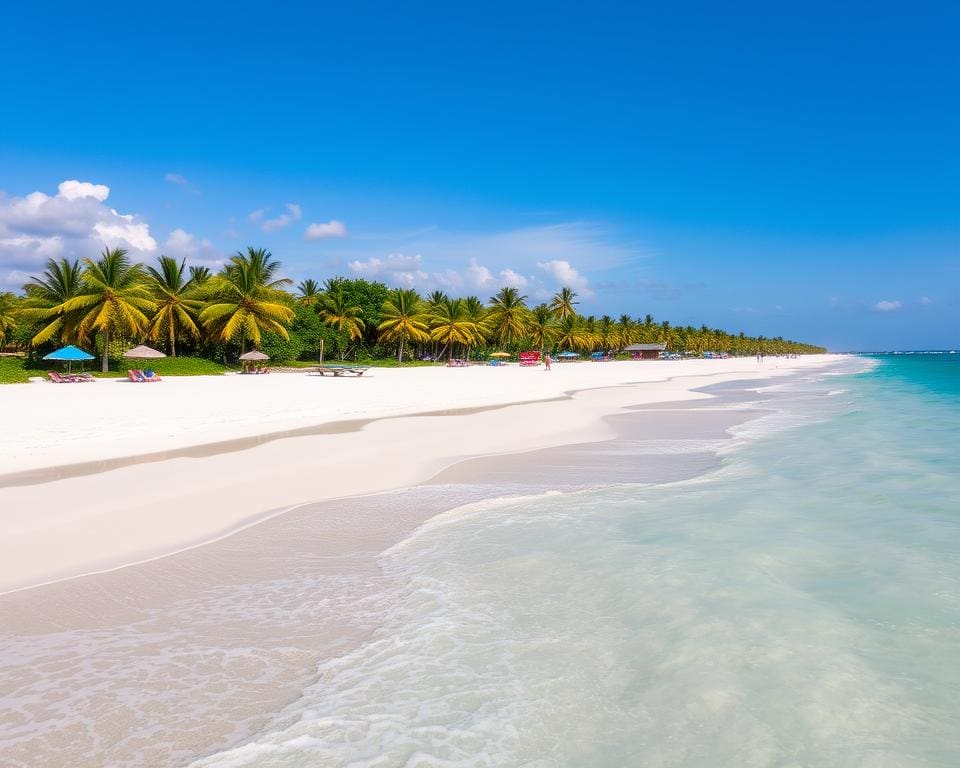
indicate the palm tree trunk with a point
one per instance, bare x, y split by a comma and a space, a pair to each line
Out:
105, 362
173, 342
400, 353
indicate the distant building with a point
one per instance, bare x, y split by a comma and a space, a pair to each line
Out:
645, 351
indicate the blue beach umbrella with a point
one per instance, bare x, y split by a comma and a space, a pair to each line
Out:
68, 355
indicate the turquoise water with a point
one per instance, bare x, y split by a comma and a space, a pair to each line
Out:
798, 607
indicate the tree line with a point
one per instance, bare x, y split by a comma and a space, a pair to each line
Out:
109, 302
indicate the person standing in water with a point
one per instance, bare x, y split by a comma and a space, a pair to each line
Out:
547, 361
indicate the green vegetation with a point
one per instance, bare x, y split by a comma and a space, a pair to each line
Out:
110, 304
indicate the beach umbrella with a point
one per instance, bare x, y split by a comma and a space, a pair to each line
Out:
500, 354
143, 352
255, 355
69, 355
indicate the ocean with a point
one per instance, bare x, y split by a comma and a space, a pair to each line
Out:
796, 605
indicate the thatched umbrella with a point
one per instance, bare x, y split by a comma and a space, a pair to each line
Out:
253, 356
143, 352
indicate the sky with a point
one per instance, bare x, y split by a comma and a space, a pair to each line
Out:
781, 171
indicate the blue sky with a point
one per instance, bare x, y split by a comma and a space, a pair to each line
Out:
782, 172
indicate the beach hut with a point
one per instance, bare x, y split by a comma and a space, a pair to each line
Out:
645, 351
69, 355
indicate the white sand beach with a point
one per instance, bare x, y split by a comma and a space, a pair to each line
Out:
171, 479
231, 530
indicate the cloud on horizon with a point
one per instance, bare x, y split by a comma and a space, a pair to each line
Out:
886, 305
536, 260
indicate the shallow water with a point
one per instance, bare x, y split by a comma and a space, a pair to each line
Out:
797, 606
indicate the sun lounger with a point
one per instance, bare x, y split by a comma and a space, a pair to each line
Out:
339, 370
139, 377
56, 378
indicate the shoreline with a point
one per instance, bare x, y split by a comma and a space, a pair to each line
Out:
240, 488
327, 552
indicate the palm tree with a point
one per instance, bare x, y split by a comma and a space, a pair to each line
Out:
199, 275
247, 299
336, 312
542, 326
435, 299
571, 334
625, 331
8, 316
114, 298
46, 294
403, 319
176, 309
308, 292
476, 313
563, 304
508, 316
450, 324
607, 331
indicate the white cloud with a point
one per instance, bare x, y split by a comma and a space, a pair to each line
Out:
565, 275
926, 301
396, 269
478, 276
536, 260
404, 271
283, 220
513, 279
74, 190
183, 245
255, 216
332, 228
74, 223
888, 305
15, 278
124, 232
176, 178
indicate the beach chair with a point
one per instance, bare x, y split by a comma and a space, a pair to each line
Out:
339, 370
56, 378
135, 376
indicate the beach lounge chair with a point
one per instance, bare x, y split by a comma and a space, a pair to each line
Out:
56, 378
339, 370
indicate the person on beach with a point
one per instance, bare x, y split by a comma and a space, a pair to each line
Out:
547, 361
